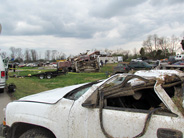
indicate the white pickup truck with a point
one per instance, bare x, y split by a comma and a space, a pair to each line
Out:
3, 74
147, 104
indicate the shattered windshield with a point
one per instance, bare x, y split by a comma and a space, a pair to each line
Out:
80, 93
77, 93
116, 81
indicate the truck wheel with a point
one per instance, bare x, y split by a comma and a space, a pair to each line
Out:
41, 76
37, 133
1, 90
49, 76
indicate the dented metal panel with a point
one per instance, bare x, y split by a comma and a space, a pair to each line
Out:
162, 78
166, 99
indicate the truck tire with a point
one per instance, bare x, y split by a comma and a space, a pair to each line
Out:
49, 76
37, 133
41, 76
1, 90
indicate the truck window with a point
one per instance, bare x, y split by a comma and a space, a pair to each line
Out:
78, 92
146, 99
139, 97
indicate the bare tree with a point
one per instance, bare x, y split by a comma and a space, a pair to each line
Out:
155, 40
16, 54
27, 55
19, 54
126, 54
60, 55
13, 52
164, 45
54, 54
147, 44
47, 54
34, 55
174, 44
63, 56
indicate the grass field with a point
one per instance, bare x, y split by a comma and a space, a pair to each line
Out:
31, 85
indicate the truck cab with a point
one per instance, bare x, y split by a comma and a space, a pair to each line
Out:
3, 74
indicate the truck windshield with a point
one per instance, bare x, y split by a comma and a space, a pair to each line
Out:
78, 92
6, 61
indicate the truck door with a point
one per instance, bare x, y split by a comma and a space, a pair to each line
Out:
126, 117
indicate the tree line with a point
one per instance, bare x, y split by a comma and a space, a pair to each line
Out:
31, 55
160, 47
154, 47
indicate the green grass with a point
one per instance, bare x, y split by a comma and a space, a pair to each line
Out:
31, 85
69, 79
108, 68
25, 86
27, 67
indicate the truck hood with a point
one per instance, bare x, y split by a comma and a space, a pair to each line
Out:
51, 96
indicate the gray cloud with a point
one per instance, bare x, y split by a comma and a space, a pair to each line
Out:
107, 22
165, 2
110, 8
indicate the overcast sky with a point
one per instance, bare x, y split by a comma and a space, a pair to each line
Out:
74, 26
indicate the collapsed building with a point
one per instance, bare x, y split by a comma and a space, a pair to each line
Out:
83, 63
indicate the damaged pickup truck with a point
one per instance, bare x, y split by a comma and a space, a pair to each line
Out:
147, 104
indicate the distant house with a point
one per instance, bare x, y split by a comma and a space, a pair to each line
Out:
103, 57
110, 59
